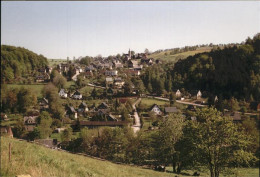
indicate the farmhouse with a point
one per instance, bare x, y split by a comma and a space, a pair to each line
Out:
77, 95
70, 111
63, 94
44, 104
30, 122
199, 95
178, 94
83, 107
132, 63
169, 110
155, 108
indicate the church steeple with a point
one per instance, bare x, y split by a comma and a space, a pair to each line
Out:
129, 53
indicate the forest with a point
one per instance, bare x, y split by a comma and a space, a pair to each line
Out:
232, 71
18, 63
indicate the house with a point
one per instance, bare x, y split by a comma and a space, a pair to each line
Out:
4, 117
132, 63
70, 111
138, 67
236, 116
191, 108
169, 110
133, 72
128, 56
109, 81
42, 78
178, 94
63, 94
44, 104
58, 130
48, 69
6, 131
88, 74
199, 95
117, 64
90, 68
83, 107
30, 122
111, 72
118, 82
155, 108
103, 105
147, 61
215, 99
77, 95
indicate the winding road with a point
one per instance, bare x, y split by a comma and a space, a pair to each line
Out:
137, 126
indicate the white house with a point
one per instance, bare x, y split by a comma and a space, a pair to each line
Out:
156, 109
178, 94
199, 95
111, 73
77, 95
63, 94
83, 107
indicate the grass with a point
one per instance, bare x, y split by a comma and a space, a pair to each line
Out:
176, 57
36, 160
54, 62
37, 88
39, 161
150, 101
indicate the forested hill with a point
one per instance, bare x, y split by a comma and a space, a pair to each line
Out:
232, 71
17, 63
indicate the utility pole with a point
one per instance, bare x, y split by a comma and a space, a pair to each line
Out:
9, 152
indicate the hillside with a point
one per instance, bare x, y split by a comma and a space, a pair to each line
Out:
18, 64
176, 57
55, 62
38, 161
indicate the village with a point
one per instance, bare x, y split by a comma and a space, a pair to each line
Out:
111, 100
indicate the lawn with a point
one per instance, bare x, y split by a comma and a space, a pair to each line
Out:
150, 101
37, 88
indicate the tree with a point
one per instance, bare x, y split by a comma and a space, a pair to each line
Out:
172, 98
233, 104
94, 93
218, 143
170, 131
59, 81
66, 135
44, 126
25, 99
146, 51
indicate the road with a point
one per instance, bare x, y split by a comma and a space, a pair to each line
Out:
137, 126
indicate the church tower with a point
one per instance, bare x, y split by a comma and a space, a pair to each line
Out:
129, 53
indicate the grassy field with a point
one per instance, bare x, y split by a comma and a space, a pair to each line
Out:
176, 57
39, 161
35, 160
37, 88
54, 62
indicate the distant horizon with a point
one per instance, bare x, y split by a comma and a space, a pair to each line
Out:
59, 30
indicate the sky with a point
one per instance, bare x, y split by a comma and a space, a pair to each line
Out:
60, 29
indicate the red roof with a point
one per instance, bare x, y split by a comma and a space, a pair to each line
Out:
103, 123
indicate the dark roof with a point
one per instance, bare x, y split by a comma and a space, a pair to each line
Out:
171, 109
83, 104
103, 105
77, 93
71, 109
30, 119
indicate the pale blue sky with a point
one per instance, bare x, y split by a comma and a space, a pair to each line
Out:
61, 29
